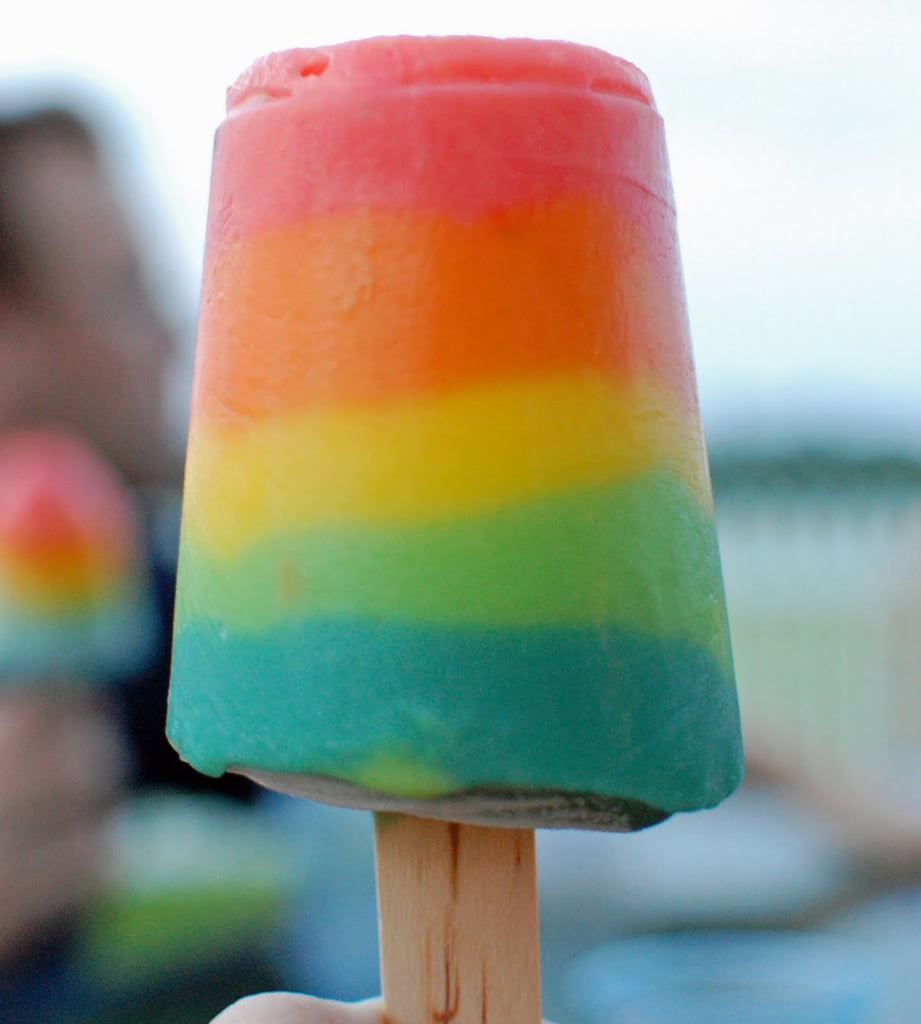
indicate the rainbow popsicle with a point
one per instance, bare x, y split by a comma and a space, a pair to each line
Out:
448, 543
74, 603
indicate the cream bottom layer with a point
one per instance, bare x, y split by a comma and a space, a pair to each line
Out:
496, 807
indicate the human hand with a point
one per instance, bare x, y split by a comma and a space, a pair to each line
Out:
288, 1008
61, 765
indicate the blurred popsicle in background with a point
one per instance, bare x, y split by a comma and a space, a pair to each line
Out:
74, 598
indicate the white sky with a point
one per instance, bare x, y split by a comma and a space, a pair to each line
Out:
794, 132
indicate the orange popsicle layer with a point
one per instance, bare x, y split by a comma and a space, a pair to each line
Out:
61, 577
376, 305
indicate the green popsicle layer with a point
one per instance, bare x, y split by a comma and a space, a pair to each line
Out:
641, 554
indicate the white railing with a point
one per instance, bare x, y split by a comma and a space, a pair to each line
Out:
824, 595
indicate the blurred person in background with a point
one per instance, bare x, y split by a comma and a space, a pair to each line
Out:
81, 342
83, 346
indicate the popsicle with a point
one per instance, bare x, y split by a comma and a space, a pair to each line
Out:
74, 598
448, 542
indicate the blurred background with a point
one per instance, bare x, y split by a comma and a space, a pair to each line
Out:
794, 145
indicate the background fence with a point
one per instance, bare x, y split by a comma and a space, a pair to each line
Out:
822, 561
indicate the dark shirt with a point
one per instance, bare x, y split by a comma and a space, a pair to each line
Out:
143, 702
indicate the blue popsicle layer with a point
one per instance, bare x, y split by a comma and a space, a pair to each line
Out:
435, 709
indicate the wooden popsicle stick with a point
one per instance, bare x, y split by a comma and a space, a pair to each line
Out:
457, 915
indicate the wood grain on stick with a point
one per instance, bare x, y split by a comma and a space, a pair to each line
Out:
457, 911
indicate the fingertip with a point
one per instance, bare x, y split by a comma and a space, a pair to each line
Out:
369, 1011
292, 1008
268, 1007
